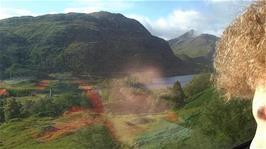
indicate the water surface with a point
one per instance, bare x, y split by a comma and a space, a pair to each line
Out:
169, 81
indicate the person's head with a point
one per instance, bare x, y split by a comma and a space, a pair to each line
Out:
240, 62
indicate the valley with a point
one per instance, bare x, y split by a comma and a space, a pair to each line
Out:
102, 80
120, 113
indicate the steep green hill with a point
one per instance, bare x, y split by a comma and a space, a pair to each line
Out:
100, 43
194, 46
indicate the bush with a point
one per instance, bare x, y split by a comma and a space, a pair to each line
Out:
53, 106
11, 109
27, 108
63, 87
198, 84
178, 94
174, 94
20, 92
227, 123
216, 124
68, 100
2, 114
45, 107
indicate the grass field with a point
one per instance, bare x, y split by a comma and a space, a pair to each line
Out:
81, 128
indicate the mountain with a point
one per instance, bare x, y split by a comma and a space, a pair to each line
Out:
99, 43
194, 47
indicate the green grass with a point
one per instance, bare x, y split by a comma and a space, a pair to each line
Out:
161, 134
193, 108
19, 134
18, 84
208, 115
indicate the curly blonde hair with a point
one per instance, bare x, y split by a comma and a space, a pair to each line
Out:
240, 59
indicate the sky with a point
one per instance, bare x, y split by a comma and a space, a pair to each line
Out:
164, 18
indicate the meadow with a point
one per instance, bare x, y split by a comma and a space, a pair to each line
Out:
119, 113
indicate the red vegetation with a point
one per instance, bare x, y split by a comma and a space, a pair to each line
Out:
3, 92
42, 84
77, 117
96, 101
72, 123
94, 98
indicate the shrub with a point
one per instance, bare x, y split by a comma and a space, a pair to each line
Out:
68, 100
2, 114
11, 109
227, 123
63, 87
53, 106
178, 94
45, 107
27, 108
197, 84
20, 92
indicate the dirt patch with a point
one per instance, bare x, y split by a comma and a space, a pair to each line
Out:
171, 117
42, 85
66, 125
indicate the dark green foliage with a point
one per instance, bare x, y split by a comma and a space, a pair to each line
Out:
45, 107
217, 123
69, 100
27, 108
62, 87
228, 122
198, 84
2, 114
13, 54
54, 106
100, 43
178, 94
11, 109
20, 92
84, 102
175, 95
94, 137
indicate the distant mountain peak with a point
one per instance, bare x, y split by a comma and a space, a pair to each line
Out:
193, 45
184, 37
190, 33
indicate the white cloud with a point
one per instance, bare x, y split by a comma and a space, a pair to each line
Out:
171, 25
219, 14
10, 12
213, 21
183, 19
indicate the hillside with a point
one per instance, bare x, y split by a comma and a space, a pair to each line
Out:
70, 119
99, 43
198, 48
